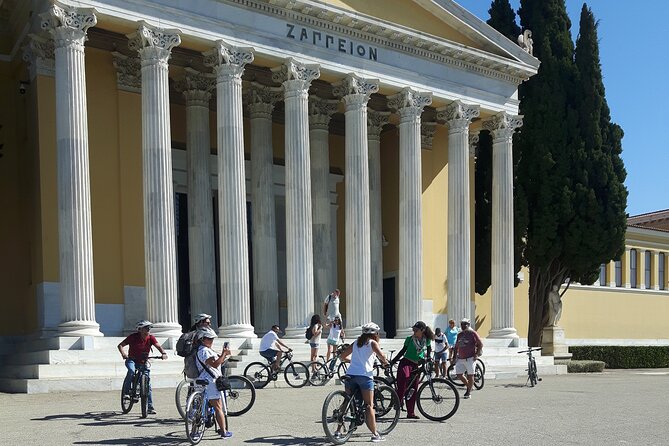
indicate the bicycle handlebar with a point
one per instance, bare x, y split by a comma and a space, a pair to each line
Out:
531, 349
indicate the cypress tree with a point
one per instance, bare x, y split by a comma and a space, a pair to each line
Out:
547, 144
503, 19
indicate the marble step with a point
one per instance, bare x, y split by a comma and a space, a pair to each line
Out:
109, 369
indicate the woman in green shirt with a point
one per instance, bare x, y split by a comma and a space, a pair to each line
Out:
417, 348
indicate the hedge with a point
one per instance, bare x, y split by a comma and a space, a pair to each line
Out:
619, 357
579, 366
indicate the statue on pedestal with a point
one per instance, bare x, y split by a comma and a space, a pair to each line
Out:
554, 306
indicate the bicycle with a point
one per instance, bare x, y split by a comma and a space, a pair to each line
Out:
479, 375
296, 374
323, 371
139, 388
240, 397
532, 376
437, 398
200, 414
342, 413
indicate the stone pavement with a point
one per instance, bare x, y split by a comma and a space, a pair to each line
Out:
612, 408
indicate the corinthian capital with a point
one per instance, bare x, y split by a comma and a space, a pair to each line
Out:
427, 131
196, 87
503, 125
153, 44
409, 102
375, 122
354, 89
228, 60
300, 74
67, 24
260, 100
473, 143
128, 72
321, 111
458, 115
38, 53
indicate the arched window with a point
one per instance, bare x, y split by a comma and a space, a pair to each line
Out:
633, 269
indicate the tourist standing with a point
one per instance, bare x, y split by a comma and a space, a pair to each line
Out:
417, 348
468, 347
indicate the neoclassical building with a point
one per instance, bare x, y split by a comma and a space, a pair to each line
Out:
245, 157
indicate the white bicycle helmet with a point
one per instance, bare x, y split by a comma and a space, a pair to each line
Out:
202, 316
206, 332
143, 323
370, 328
465, 321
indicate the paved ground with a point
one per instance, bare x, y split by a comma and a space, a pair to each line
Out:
613, 408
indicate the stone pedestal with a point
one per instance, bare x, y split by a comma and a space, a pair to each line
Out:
553, 343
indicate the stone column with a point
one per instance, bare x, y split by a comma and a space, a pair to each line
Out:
154, 46
68, 27
260, 102
355, 92
501, 127
409, 104
296, 79
458, 117
228, 62
625, 266
196, 88
611, 271
375, 122
325, 280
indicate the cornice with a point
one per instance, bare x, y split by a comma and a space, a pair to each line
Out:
392, 36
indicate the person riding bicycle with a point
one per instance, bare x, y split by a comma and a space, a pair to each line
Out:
361, 371
468, 347
201, 320
209, 364
140, 344
412, 354
268, 347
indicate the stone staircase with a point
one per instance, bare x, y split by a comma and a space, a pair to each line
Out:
66, 364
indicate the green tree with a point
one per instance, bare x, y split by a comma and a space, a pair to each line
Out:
563, 180
503, 19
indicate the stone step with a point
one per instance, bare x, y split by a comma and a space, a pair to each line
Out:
110, 369
91, 384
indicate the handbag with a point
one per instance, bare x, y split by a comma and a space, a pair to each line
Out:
222, 382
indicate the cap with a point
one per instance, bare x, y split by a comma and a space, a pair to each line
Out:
206, 332
202, 316
465, 321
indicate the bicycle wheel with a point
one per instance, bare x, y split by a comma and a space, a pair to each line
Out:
452, 376
386, 419
341, 370
183, 391
144, 393
479, 379
318, 374
258, 373
533, 373
480, 362
296, 374
195, 422
438, 399
126, 399
382, 398
338, 417
240, 396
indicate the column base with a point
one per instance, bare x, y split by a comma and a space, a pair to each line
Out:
403, 332
295, 332
353, 332
236, 331
166, 329
79, 328
509, 335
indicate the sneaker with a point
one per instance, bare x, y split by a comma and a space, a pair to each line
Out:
226, 434
467, 395
377, 438
338, 435
413, 417
151, 411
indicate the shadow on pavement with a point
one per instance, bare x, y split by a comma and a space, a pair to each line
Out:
168, 439
514, 386
288, 439
110, 419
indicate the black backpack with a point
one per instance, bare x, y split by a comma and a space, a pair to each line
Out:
309, 333
187, 344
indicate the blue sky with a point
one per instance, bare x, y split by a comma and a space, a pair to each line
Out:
634, 63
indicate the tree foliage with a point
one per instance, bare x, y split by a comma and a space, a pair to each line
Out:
570, 183
503, 19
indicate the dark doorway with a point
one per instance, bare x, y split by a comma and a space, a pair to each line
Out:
389, 319
183, 274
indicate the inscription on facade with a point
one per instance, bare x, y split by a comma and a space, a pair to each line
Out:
324, 40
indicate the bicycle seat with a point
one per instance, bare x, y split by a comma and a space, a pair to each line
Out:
201, 382
344, 378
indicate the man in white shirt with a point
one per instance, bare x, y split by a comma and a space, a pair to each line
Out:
268, 347
331, 306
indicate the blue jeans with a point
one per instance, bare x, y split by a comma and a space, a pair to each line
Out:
127, 383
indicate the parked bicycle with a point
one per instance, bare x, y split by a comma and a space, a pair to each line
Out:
139, 388
200, 415
479, 375
321, 371
532, 376
342, 413
296, 374
240, 397
437, 398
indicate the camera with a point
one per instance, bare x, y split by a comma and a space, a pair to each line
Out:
23, 86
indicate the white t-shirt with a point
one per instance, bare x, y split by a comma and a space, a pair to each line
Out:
268, 340
204, 353
362, 360
333, 306
440, 343
316, 339
335, 331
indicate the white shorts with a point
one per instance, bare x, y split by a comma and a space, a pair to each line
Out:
465, 365
211, 392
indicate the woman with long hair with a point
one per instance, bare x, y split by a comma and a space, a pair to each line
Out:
316, 329
417, 348
361, 371
336, 333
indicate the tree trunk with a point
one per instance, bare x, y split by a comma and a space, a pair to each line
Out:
538, 295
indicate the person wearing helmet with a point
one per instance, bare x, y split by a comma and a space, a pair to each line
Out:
467, 348
200, 321
209, 364
140, 344
361, 371
412, 354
